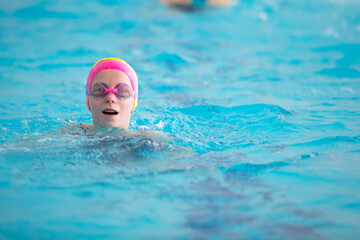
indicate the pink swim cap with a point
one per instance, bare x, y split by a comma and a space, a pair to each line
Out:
117, 64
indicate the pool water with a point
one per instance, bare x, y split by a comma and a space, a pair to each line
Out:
261, 101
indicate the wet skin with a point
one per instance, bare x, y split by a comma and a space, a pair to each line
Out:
111, 111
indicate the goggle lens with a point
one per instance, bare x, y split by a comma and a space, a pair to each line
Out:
124, 91
99, 90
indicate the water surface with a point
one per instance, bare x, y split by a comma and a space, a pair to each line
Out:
261, 101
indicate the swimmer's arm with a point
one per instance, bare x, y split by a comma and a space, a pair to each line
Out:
72, 128
85, 126
68, 128
157, 136
164, 139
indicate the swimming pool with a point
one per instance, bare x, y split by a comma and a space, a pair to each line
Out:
261, 100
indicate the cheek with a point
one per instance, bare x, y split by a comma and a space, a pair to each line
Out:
94, 104
127, 105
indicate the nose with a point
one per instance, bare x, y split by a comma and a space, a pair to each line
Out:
110, 97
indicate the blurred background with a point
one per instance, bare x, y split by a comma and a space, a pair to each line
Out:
264, 93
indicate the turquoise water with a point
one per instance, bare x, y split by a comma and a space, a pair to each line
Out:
265, 95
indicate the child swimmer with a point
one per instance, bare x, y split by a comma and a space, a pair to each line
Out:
111, 97
111, 93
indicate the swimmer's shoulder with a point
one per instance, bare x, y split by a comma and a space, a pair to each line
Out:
85, 126
74, 128
152, 134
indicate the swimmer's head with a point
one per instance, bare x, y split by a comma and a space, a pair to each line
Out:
116, 64
111, 93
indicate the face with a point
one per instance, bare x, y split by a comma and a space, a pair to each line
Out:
110, 111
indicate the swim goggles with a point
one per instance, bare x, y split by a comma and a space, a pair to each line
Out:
121, 91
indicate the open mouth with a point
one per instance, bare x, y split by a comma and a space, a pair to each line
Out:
110, 112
